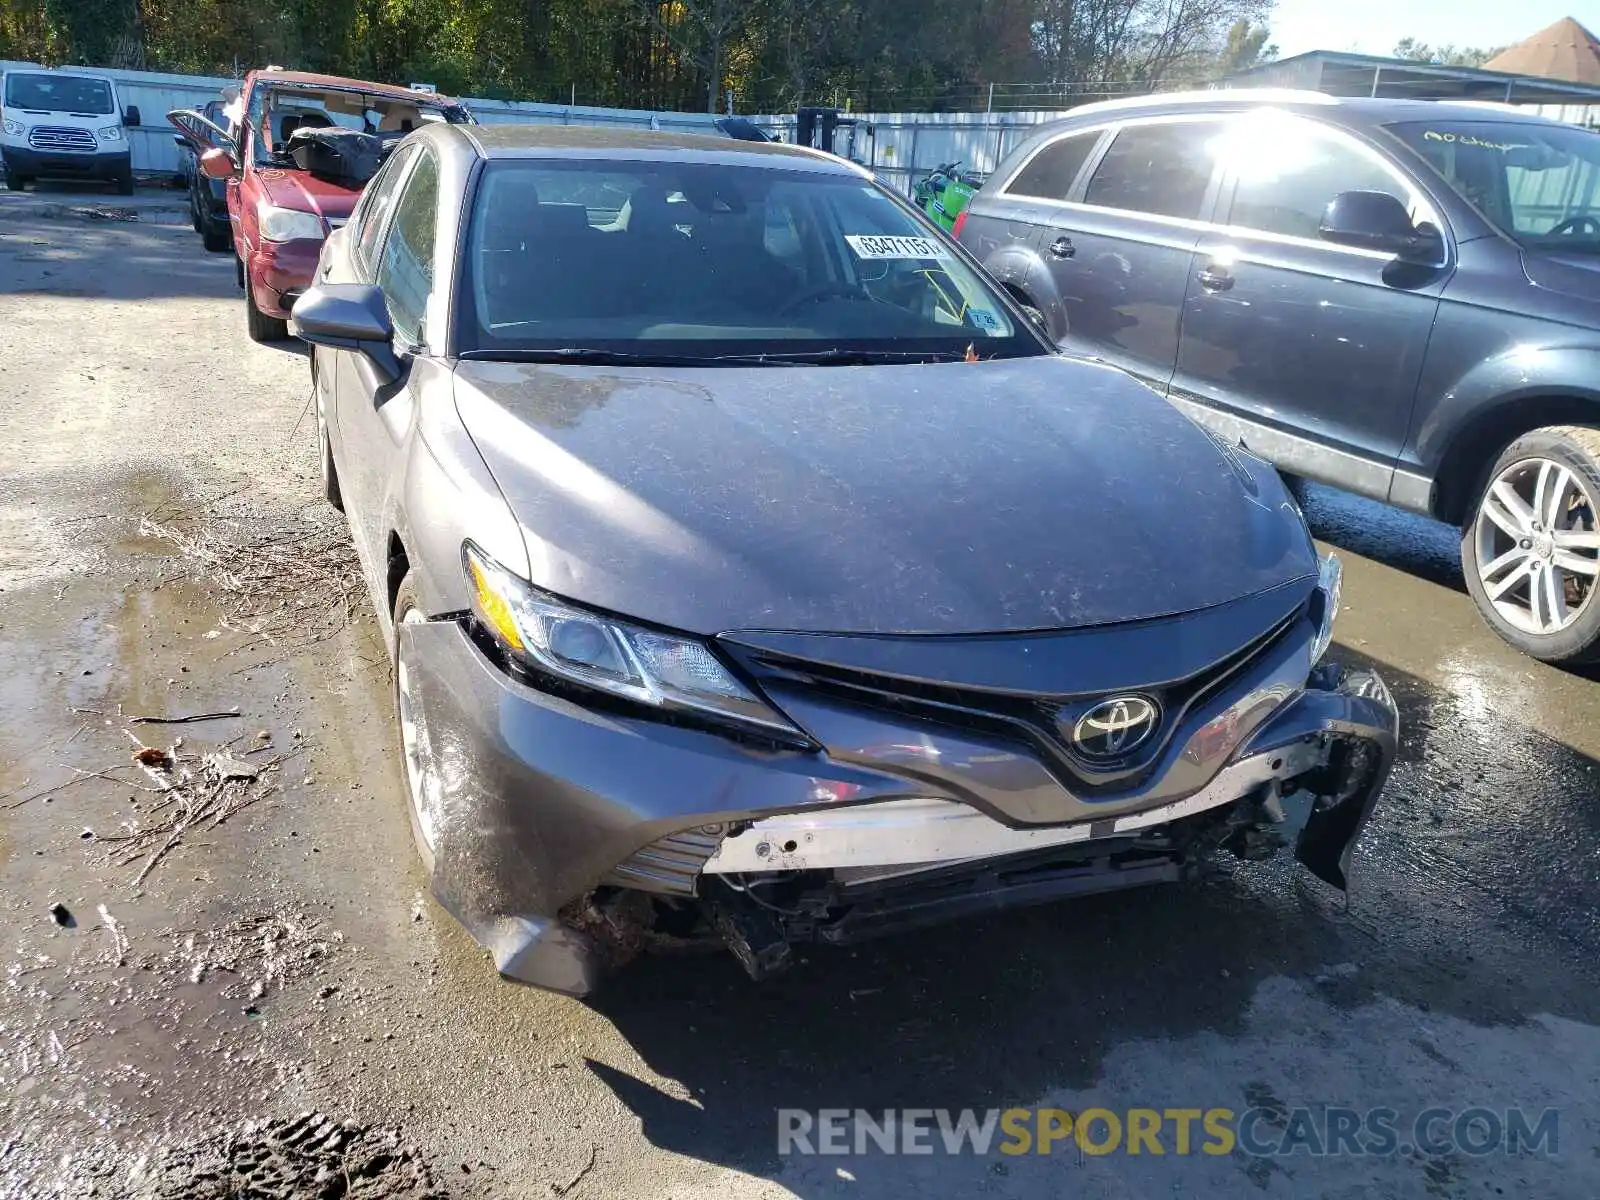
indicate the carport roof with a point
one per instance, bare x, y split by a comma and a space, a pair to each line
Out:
1341, 74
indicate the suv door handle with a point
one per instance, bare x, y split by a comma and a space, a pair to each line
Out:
1062, 247
1214, 278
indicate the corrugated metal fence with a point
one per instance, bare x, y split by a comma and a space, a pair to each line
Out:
155, 94
901, 147
904, 147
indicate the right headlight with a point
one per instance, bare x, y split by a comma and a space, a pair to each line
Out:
14, 128
1330, 582
660, 670
289, 224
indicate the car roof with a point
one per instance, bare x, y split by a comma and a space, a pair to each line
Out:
512, 141
1361, 110
388, 91
70, 72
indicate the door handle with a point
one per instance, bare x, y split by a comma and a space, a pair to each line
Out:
1062, 247
1215, 279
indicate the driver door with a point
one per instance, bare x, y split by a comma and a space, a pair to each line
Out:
1310, 352
202, 134
391, 245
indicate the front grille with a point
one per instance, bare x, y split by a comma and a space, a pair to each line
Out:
1024, 721
59, 137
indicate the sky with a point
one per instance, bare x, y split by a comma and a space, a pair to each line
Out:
1374, 26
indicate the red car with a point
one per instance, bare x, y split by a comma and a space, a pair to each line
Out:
279, 211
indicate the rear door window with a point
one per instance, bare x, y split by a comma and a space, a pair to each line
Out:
1051, 172
1164, 169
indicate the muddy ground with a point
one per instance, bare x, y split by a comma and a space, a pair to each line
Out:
163, 1029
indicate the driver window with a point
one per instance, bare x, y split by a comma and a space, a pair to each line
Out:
406, 271
1286, 171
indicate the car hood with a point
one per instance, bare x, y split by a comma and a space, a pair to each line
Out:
1020, 494
1570, 274
305, 192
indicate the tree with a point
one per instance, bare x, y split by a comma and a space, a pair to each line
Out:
1412, 50
1246, 47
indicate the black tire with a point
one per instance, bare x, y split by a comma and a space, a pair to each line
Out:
125, 183
258, 325
1576, 449
405, 601
196, 222
238, 272
1295, 485
15, 182
217, 241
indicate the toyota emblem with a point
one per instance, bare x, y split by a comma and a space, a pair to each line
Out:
1115, 727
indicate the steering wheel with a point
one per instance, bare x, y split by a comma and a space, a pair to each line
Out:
1584, 225
826, 291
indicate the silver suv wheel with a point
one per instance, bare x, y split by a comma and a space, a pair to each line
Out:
1538, 551
1531, 548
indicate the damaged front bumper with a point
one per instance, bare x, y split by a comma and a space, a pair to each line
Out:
557, 829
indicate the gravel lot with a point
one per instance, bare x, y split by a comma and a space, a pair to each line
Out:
286, 959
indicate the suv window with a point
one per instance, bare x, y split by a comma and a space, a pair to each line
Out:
376, 203
1051, 173
1163, 169
406, 272
1287, 170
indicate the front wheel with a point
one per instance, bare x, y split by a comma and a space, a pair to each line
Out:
215, 239
15, 182
423, 786
330, 473
1531, 549
258, 325
125, 183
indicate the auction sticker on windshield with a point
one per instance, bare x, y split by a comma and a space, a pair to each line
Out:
877, 246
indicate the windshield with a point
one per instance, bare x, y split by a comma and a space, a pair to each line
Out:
705, 260
1540, 184
277, 111
59, 94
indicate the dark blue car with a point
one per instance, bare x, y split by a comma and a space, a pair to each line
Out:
208, 198
1400, 298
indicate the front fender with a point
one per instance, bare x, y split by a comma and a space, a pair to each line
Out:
448, 497
1494, 385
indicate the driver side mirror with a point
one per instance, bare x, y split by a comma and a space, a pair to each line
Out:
1378, 221
216, 164
130, 116
348, 316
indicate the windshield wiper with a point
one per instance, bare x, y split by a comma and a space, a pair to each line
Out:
837, 356
597, 357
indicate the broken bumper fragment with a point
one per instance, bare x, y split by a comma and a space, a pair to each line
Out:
560, 828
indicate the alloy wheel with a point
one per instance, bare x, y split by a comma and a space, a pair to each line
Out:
422, 779
1538, 546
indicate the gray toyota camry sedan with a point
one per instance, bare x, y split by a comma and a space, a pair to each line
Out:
755, 571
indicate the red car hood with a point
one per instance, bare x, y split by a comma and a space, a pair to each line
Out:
303, 191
